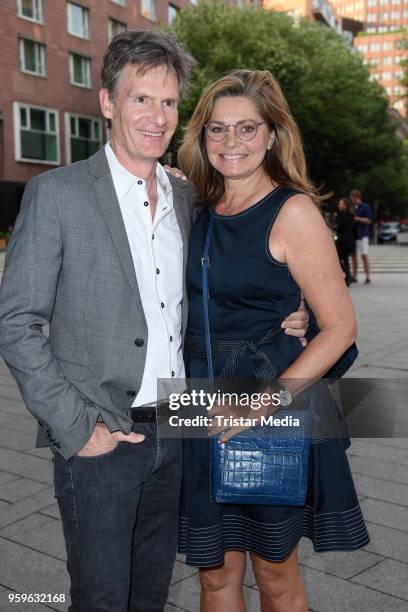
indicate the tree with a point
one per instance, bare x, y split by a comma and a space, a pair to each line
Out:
349, 140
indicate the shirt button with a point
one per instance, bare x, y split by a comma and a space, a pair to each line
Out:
173, 373
140, 182
139, 342
157, 271
171, 338
131, 393
162, 304
146, 203
152, 236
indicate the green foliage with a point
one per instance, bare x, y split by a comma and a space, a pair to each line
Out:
342, 114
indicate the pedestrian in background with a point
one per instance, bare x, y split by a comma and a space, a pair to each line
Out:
363, 218
345, 243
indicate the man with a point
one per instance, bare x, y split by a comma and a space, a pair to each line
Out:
363, 219
99, 252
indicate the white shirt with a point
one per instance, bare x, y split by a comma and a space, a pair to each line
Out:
157, 253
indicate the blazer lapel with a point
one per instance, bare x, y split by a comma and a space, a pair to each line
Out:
108, 202
182, 208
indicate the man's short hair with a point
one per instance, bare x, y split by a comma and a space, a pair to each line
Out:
145, 49
355, 193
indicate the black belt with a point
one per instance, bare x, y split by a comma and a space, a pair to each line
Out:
156, 413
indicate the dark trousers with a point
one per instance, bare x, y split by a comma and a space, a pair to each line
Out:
119, 514
344, 250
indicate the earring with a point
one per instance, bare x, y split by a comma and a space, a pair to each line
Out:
269, 147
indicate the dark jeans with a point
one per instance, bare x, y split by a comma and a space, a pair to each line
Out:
120, 516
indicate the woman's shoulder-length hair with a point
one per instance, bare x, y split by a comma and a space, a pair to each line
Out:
284, 163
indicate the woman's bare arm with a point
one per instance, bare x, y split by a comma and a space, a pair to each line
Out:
301, 239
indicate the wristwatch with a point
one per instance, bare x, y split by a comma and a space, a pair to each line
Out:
285, 396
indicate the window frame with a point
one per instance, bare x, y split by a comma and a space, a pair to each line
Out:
17, 106
85, 21
39, 8
112, 20
42, 59
119, 2
154, 18
175, 8
72, 71
67, 122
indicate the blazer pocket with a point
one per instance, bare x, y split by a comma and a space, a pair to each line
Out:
71, 370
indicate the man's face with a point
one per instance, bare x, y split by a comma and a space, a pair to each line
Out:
143, 112
355, 200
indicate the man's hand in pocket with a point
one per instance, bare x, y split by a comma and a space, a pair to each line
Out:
103, 441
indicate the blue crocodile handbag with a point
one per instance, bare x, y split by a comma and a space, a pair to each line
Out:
256, 466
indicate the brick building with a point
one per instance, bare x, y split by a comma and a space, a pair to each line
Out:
316, 10
386, 22
49, 70
374, 27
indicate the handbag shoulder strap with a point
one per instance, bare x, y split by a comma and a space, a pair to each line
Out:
205, 263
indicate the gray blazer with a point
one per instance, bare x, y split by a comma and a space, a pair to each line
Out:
69, 264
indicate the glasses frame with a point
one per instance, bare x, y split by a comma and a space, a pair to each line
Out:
234, 125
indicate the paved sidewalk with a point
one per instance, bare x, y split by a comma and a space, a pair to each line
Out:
371, 580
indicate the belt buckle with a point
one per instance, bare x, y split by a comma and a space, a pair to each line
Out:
140, 415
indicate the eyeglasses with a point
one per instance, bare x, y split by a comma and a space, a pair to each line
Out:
244, 130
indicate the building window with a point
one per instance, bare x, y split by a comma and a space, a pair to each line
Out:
83, 136
78, 20
80, 70
387, 61
30, 9
36, 134
121, 2
374, 47
115, 27
148, 9
32, 57
172, 13
371, 30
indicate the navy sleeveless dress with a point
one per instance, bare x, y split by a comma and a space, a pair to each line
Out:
251, 293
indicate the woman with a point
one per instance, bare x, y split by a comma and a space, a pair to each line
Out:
345, 236
243, 153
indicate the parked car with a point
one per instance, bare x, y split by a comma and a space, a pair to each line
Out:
388, 232
404, 225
